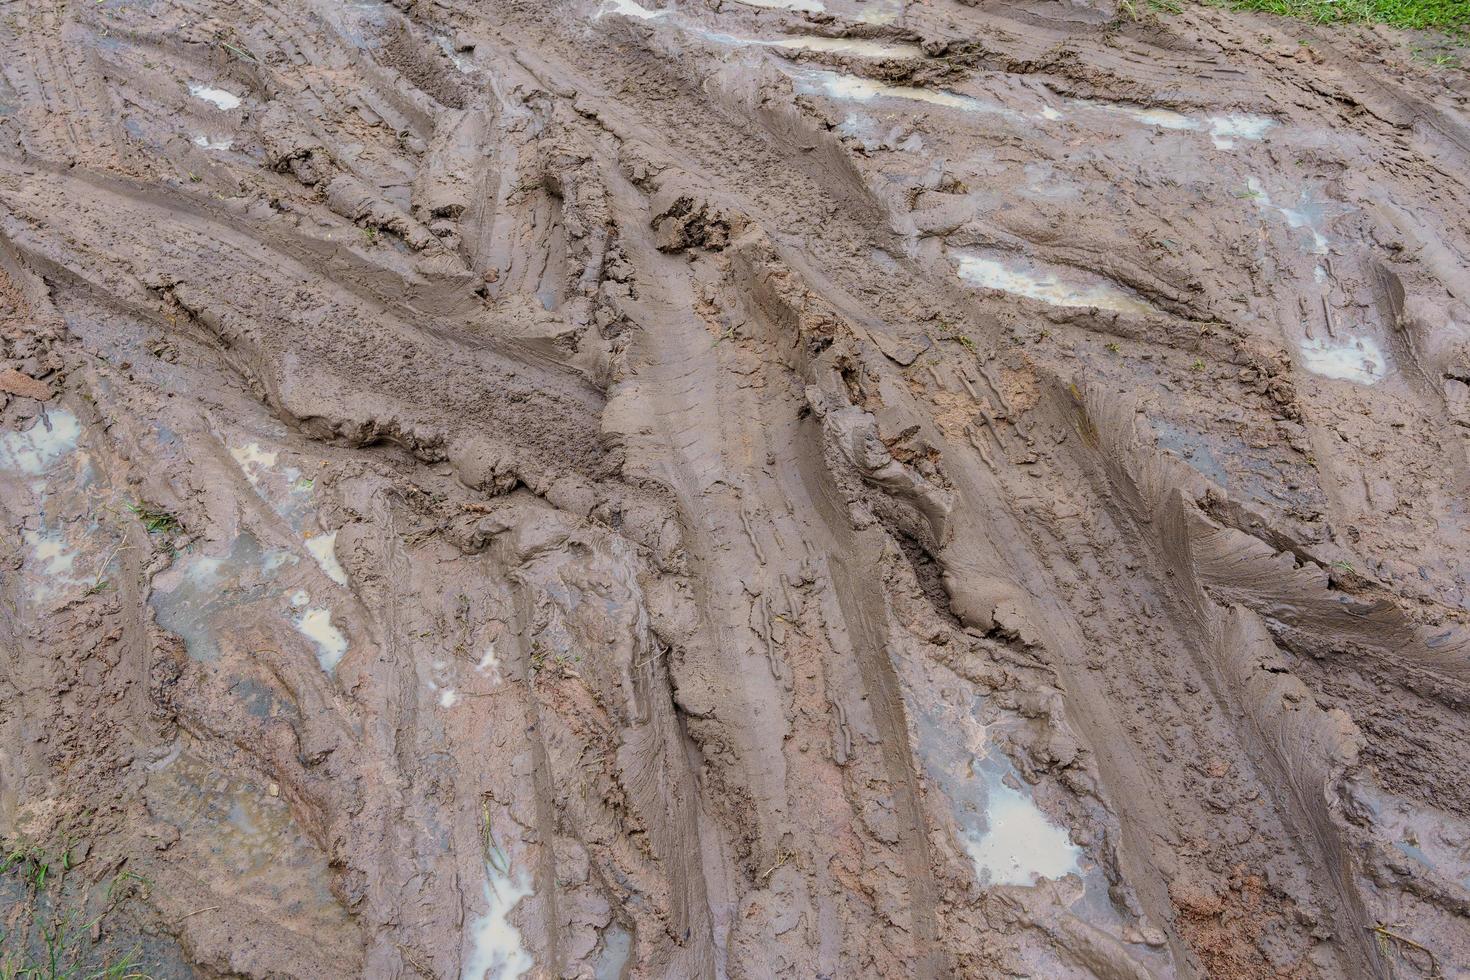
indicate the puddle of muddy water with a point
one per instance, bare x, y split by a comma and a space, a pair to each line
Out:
1437, 840
1223, 130
36, 450
494, 949
878, 12
1009, 840
217, 97
1309, 214
835, 85
192, 599
323, 550
612, 962
1034, 280
1345, 358
628, 8
855, 47
246, 842
289, 493
797, 6
67, 548
209, 143
315, 623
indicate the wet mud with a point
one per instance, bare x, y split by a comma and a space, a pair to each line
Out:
803, 488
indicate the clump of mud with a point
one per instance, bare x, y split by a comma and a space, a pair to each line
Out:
814, 488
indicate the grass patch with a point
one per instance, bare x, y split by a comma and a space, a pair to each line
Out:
155, 519
1445, 15
56, 947
1450, 16
46, 933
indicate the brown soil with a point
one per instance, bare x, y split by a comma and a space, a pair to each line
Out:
876, 489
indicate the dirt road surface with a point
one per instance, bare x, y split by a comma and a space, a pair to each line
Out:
808, 488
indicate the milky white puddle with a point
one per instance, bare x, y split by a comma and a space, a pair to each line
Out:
1308, 213
835, 85
39, 448
628, 8
215, 96
1345, 358
315, 623
1024, 277
879, 12
1009, 840
495, 951
857, 47
323, 550
54, 566
798, 6
289, 494
1223, 130
441, 683
207, 143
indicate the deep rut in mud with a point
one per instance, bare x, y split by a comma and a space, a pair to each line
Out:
803, 488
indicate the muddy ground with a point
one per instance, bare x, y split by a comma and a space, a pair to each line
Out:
818, 488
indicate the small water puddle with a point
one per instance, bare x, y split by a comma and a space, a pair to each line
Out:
495, 950
1345, 358
323, 550
856, 47
612, 962
1025, 277
835, 85
67, 546
196, 598
238, 835
628, 8
798, 6
217, 97
1309, 213
1009, 840
315, 623
1223, 130
1433, 838
289, 493
36, 450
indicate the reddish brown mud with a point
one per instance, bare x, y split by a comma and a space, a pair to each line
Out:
820, 488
